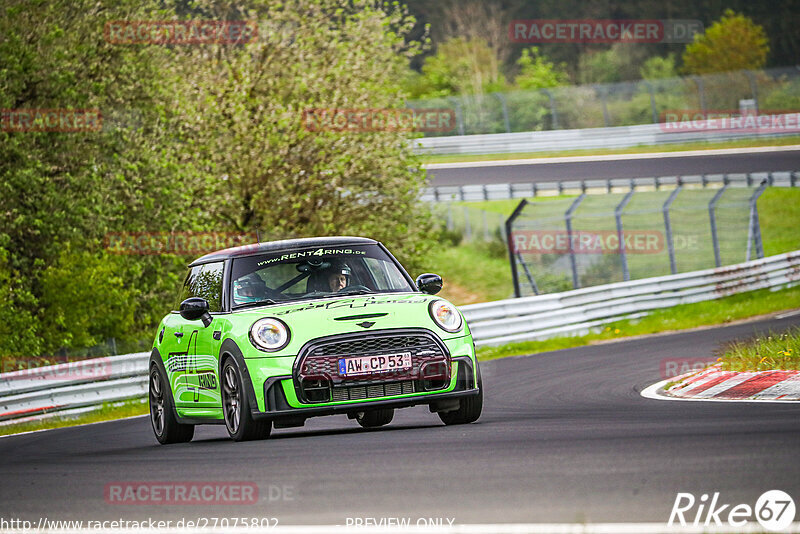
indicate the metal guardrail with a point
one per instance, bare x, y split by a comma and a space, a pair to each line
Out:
576, 312
94, 382
73, 385
587, 138
475, 193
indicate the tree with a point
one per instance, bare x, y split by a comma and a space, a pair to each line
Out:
734, 42
537, 72
242, 116
459, 67
657, 68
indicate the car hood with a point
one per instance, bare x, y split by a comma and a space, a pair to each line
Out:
324, 317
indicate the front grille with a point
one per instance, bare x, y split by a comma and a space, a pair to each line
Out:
318, 362
344, 393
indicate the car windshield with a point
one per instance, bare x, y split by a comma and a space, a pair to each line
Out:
320, 272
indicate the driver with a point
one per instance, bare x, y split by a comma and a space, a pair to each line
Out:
249, 288
337, 276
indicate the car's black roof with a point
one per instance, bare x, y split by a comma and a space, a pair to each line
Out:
286, 244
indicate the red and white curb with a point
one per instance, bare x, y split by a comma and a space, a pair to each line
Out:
714, 384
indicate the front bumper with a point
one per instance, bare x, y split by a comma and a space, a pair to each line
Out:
278, 408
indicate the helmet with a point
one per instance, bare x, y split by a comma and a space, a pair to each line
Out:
248, 288
337, 267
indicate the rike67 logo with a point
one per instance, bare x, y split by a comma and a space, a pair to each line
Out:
774, 511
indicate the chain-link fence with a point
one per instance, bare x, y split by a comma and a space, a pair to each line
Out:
568, 243
620, 104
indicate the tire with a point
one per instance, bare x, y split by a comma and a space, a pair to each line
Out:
162, 412
236, 406
469, 409
375, 418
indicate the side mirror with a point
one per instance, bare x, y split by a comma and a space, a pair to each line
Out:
195, 308
429, 283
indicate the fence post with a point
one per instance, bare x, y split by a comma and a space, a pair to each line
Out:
753, 87
467, 226
620, 237
754, 227
700, 92
568, 220
652, 100
459, 114
450, 223
502, 227
673, 265
502, 98
601, 90
712, 206
485, 226
512, 257
553, 112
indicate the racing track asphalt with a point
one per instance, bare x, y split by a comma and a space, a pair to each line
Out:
619, 168
565, 436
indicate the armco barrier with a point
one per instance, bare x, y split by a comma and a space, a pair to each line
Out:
94, 382
478, 192
576, 312
587, 138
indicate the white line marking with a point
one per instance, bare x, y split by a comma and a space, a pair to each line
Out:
612, 157
72, 426
788, 314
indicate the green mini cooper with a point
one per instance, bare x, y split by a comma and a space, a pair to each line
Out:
274, 333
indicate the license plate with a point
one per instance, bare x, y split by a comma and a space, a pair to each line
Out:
366, 365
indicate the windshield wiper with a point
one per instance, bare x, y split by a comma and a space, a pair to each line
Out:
354, 292
256, 303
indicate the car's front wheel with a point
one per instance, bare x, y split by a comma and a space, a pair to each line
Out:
469, 409
375, 418
236, 407
162, 416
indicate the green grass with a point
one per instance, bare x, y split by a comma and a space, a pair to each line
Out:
771, 352
108, 412
472, 272
685, 316
779, 215
642, 149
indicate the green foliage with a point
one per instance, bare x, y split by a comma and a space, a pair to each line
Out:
763, 353
784, 97
734, 42
195, 138
460, 66
656, 68
620, 62
86, 298
537, 72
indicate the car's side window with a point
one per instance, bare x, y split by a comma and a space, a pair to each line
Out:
386, 278
205, 281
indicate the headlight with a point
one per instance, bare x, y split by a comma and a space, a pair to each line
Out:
445, 315
269, 334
